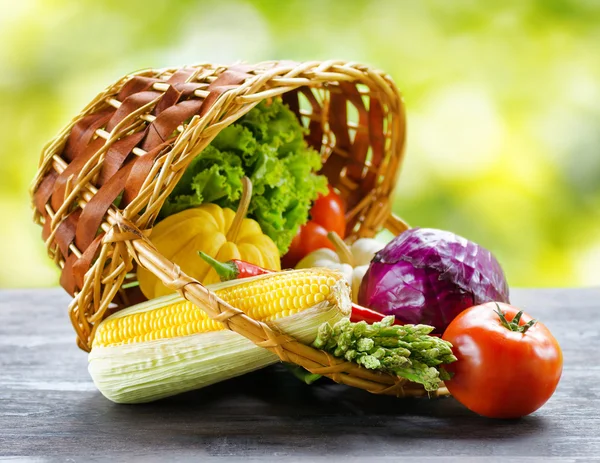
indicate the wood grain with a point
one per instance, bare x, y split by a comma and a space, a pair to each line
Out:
50, 409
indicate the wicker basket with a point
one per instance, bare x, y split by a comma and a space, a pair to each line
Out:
134, 141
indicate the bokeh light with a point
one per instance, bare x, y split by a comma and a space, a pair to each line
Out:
502, 99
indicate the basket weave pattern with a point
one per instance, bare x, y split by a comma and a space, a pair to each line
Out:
102, 181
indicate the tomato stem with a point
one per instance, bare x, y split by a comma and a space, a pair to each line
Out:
517, 318
514, 324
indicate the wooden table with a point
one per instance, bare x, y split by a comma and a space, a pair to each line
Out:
50, 408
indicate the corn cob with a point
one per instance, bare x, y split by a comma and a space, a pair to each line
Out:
168, 345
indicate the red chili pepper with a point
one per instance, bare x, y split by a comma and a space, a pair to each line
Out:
234, 268
360, 313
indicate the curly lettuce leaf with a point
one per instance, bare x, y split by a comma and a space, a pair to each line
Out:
267, 145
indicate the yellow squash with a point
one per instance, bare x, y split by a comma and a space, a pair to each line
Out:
219, 232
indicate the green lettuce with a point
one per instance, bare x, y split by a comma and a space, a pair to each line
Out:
267, 145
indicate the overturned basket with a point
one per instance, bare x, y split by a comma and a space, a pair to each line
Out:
132, 141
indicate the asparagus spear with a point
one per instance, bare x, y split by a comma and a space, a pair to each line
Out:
407, 351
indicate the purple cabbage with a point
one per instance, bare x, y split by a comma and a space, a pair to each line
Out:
429, 276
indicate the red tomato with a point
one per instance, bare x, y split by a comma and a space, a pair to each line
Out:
309, 238
327, 214
504, 370
328, 211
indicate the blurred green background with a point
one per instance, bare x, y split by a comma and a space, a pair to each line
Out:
502, 98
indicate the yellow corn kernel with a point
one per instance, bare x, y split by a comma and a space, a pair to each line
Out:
265, 298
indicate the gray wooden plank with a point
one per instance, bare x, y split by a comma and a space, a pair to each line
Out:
50, 409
